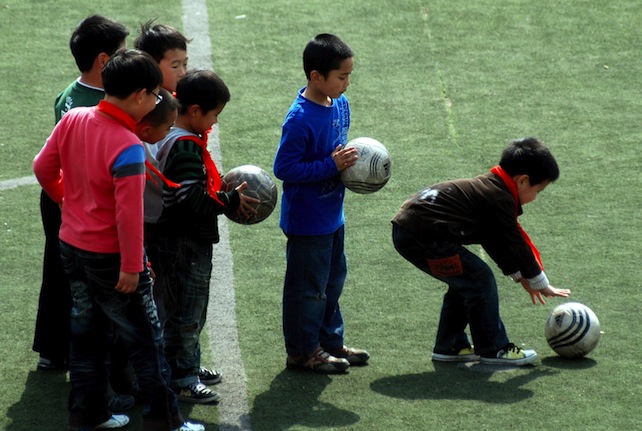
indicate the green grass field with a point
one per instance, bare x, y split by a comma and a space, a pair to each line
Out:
444, 85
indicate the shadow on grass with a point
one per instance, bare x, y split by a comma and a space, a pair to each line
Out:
562, 363
293, 399
461, 382
43, 403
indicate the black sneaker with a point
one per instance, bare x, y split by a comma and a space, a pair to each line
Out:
319, 362
197, 393
209, 377
47, 364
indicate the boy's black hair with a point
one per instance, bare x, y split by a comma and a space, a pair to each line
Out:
159, 115
130, 70
325, 53
94, 35
157, 39
529, 156
203, 88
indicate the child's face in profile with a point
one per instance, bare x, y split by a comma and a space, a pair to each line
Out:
173, 66
338, 80
528, 193
203, 121
158, 133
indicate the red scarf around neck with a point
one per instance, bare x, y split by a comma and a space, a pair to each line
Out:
126, 120
214, 181
512, 187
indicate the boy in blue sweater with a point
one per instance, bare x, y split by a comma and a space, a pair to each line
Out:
308, 161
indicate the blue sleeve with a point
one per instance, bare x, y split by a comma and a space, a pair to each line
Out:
130, 162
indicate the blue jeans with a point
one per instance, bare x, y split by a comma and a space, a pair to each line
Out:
315, 274
471, 300
182, 290
97, 309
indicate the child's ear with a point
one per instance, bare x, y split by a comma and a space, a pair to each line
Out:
102, 59
142, 130
315, 76
193, 110
522, 180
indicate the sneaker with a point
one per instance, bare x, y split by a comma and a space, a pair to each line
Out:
319, 362
121, 403
115, 421
197, 393
189, 426
511, 355
209, 377
467, 354
352, 355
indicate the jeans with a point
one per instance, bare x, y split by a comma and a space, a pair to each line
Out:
97, 308
471, 299
315, 274
182, 290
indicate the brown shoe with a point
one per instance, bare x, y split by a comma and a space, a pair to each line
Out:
319, 362
352, 355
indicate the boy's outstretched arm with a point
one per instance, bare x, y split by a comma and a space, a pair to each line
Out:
549, 292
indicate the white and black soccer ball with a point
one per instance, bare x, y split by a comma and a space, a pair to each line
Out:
373, 168
572, 330
260, 185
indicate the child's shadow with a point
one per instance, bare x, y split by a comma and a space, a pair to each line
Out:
298, 404
459, 382
42, 404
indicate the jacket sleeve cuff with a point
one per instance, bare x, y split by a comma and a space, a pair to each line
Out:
517, 276
538, 282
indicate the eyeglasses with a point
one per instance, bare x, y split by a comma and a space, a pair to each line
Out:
159, 98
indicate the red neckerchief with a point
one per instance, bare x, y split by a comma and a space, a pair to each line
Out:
214, 181
512, 187
126, 120
117, 114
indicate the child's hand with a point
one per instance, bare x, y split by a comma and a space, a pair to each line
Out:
344, 157
548, 291
246, 210
127, 282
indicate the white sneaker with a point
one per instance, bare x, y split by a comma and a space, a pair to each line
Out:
189, 426
115, 421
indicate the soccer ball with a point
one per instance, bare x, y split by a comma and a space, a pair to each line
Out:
372, 170
572, 330
260, 185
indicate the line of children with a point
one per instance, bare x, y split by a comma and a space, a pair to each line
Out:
101, 242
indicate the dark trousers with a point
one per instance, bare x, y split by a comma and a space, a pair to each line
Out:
471, 300
51, 338
97, 310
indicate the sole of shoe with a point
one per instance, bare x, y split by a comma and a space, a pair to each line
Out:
211, 381
439, 357
213, 399
501, 361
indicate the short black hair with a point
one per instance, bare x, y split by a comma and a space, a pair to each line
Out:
325, 53
529, 156
203, 88
159, 115
94, 35
157, 39
130, 70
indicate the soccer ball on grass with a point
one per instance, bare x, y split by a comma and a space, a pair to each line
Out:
572, 330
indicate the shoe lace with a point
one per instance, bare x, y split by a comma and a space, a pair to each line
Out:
512, 348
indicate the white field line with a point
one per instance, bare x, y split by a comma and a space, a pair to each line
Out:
221, 323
